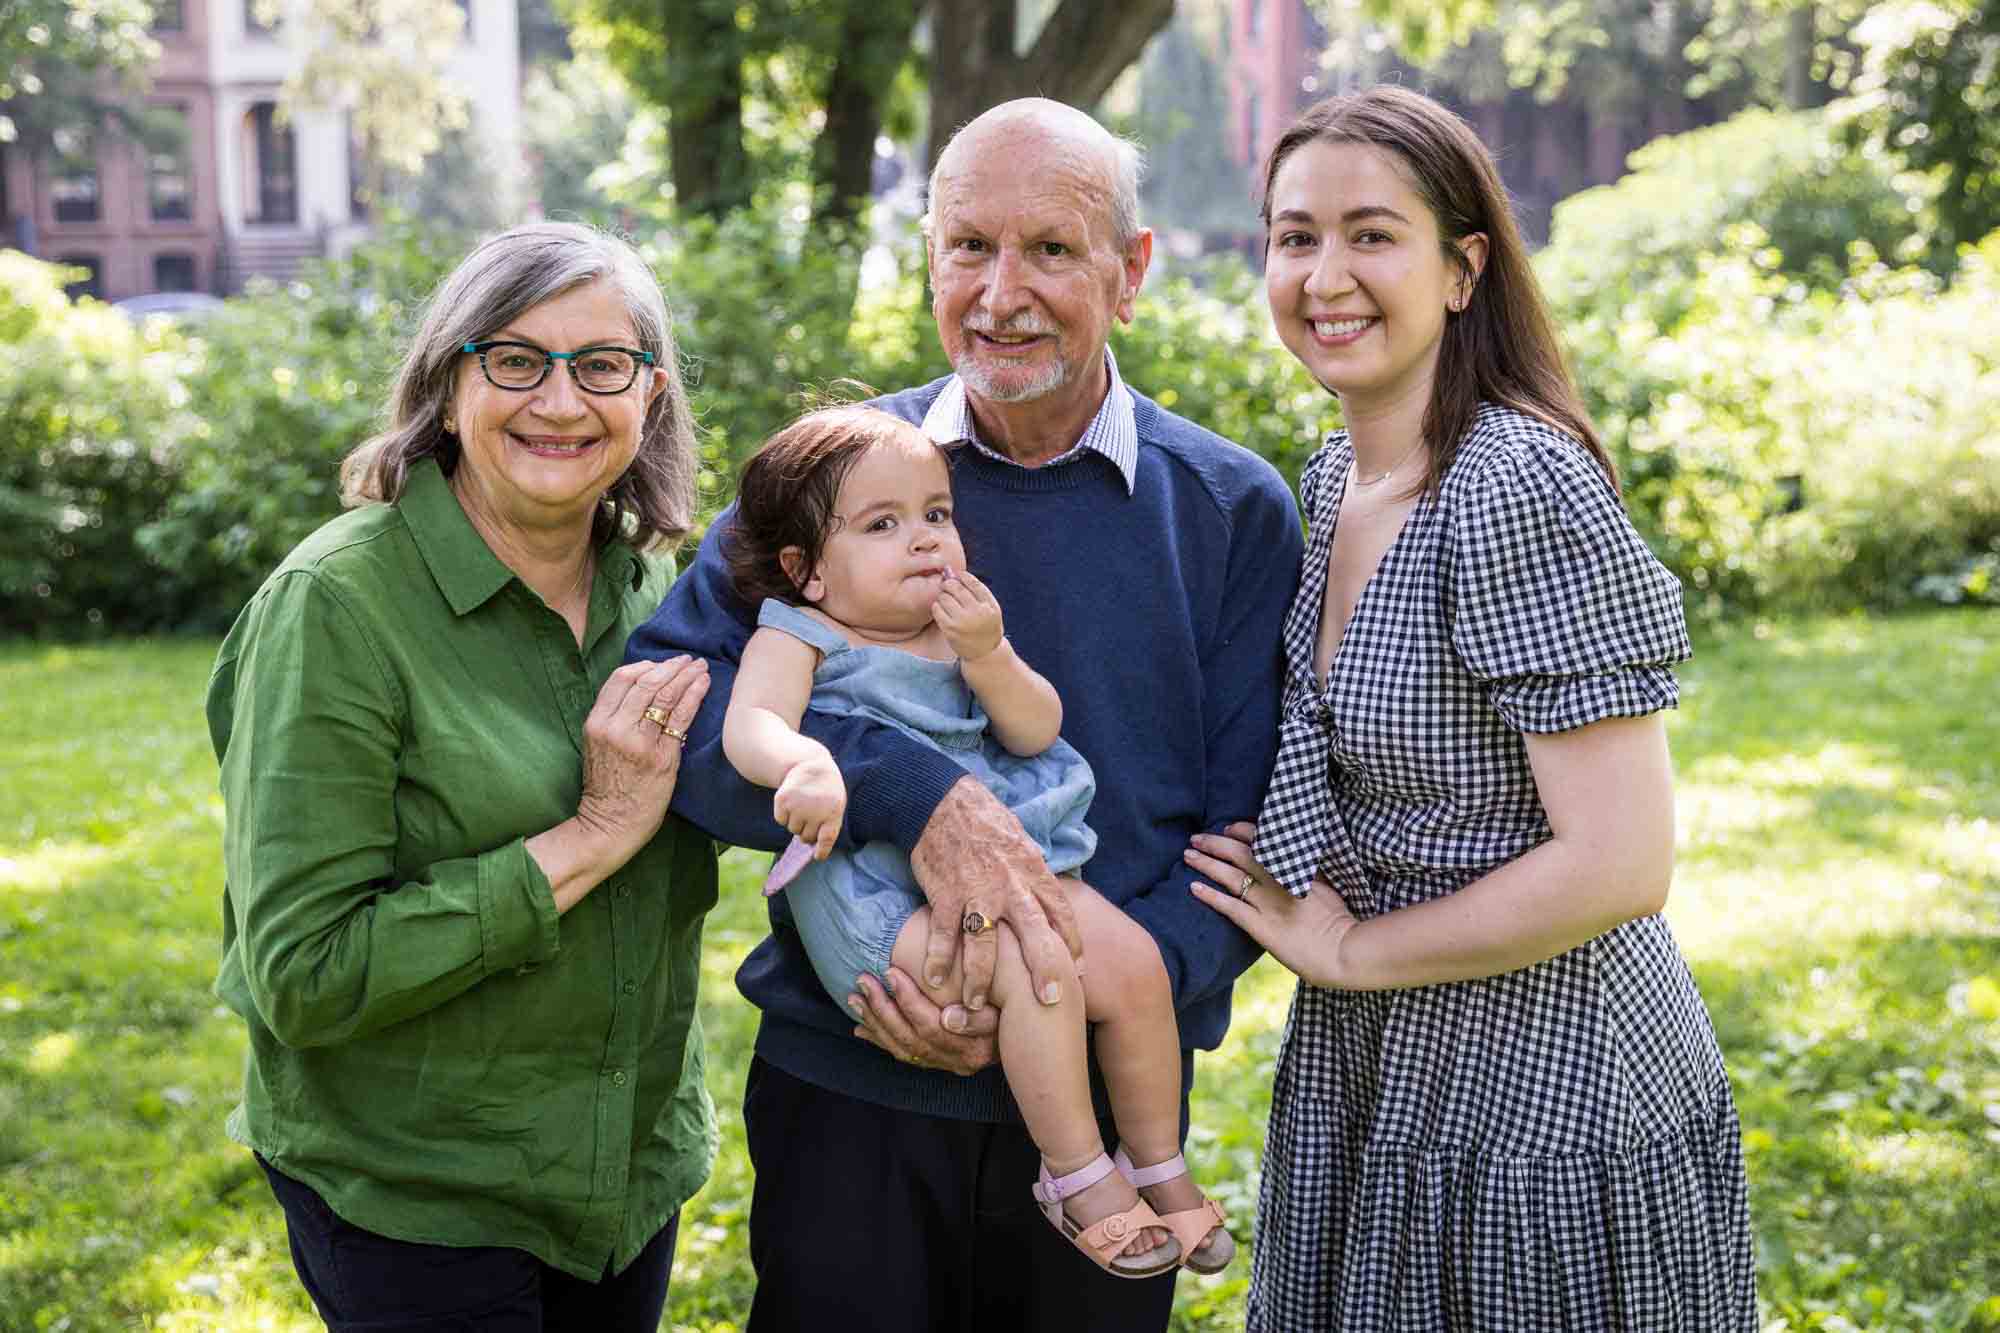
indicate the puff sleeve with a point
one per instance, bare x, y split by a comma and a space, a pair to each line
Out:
1554, 602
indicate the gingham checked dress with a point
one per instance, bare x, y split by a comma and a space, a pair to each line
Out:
1554, 1148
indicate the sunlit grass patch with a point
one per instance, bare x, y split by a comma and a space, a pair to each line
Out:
1838, 893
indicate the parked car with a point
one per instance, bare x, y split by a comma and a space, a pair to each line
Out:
173, 305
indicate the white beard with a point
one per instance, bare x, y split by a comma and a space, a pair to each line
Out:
1042, 382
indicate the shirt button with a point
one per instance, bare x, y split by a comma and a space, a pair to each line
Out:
623, 891
630, 988
618, 1079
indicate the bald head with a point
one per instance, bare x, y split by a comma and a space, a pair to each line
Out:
1060, 139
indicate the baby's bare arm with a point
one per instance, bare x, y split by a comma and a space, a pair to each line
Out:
761, 737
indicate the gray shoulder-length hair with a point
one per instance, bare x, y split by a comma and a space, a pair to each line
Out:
503, 278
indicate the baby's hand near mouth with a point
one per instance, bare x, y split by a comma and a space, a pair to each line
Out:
969, 615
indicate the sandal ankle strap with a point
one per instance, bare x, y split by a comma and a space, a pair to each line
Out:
1054, 1189
1143, 1177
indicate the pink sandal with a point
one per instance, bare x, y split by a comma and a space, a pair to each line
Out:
1203, 1232
1103, 1239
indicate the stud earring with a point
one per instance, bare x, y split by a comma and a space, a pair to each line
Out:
450, 426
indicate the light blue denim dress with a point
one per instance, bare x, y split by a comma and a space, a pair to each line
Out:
849, 907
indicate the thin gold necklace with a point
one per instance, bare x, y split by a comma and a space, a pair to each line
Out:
1361, 482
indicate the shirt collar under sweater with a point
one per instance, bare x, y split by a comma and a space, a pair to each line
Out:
1113, 432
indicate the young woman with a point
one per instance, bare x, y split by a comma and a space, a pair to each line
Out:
1499, 1103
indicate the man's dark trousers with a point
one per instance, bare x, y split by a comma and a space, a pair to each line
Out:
869, 1218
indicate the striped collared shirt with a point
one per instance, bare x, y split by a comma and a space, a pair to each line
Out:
1113, 432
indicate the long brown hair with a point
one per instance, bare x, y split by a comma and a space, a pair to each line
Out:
1502, 347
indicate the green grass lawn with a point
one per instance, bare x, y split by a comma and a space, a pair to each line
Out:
1838, 895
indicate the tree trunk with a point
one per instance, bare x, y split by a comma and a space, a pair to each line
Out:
874, 42
705, 106
1800, 90
1082, 48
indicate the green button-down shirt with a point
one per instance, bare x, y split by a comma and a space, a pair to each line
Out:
432, 1048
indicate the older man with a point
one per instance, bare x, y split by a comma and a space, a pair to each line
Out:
1144, 565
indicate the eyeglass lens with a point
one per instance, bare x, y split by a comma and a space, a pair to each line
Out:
599, 369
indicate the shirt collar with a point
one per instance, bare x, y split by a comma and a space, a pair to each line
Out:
464, 566
1113, 432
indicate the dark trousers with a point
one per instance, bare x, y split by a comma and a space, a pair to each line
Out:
894, 1222
365, 1283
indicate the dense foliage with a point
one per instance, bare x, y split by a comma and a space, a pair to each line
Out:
93, 413
1799, 420
1801, 417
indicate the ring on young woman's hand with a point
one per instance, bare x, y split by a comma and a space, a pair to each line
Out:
976, 922
1243, 889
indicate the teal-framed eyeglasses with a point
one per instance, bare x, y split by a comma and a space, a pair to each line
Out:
521, 366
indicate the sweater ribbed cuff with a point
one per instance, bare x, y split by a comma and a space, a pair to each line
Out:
898, 799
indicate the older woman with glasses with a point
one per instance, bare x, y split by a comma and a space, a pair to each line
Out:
458, 921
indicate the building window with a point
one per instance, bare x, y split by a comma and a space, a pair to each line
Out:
73, 183
173, 273
169, 169
167, 16
273, 180
92, 281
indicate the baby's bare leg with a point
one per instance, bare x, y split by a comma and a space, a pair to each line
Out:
1044, 1050
1127, 995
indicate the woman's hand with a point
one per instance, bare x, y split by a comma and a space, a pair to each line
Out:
630, 763
1305, 934
630, 758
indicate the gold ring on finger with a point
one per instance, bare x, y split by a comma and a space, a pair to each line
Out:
1243, 889
976, 922
657, 716
675, 732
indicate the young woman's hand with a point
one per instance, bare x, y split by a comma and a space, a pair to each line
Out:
969, 615
811, 802
1305, 934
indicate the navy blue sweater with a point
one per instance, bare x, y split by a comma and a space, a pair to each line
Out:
1156, 615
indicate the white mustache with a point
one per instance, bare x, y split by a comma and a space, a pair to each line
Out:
1025, 327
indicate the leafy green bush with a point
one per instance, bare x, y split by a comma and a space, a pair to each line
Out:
93, 412
1783, 447
1795, 419
1631, 250
1890, 412
288, 379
